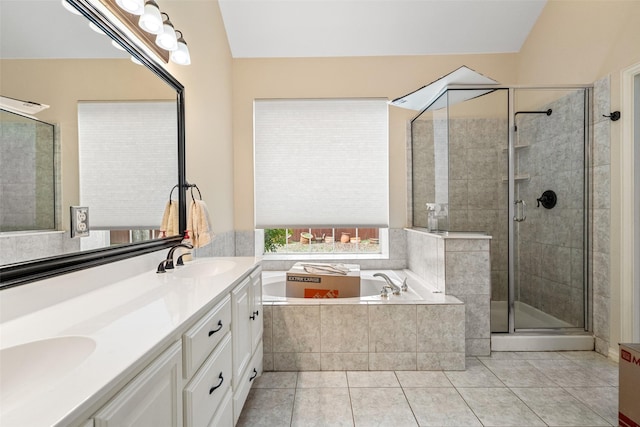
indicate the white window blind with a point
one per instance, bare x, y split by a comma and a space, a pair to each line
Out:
128, 161
321, 163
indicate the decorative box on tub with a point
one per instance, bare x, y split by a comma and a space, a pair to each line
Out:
323, 280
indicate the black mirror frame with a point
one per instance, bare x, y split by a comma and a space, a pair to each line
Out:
29, 271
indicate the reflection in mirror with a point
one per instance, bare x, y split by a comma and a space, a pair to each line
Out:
124, 173
57, 60
27, 181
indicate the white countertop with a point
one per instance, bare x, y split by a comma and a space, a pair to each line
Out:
129, 321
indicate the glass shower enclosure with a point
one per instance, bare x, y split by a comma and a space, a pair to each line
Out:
512, 163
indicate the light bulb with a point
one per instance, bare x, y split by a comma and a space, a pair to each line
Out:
135, 7
117, 45
70, 8
95, 28
181, 55
151, 21
167, 39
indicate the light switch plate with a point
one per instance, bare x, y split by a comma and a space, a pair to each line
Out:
79, 221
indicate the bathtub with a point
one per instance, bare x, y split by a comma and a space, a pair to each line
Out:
421, 329
274, 284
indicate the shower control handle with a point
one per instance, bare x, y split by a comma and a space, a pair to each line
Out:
548, 199
523, 211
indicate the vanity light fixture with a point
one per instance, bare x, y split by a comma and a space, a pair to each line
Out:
167, 39
70, 8
134, 7
151, 20
181, 55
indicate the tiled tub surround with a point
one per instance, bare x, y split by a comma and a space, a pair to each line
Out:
458, 264
359, 334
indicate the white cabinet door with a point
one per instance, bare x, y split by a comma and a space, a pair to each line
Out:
153, 398
224, 415
256, 311
241, 311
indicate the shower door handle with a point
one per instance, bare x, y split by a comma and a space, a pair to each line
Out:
523, 211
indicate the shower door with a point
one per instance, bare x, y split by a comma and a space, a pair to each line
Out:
547, 232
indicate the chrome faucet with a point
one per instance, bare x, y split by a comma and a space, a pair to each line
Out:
396, 289
167, 264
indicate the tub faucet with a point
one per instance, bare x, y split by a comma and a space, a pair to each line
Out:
396, 289
167, 264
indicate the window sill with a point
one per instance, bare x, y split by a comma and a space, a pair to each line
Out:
313, 256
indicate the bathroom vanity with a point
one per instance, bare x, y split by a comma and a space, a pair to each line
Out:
173, 349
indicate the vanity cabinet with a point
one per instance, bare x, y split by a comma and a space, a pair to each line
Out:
203, 379
247, 328
153, 398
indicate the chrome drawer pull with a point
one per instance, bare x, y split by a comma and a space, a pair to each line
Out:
255, 374
216, 330
212, 389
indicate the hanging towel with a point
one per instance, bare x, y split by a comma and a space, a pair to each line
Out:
169, 224
199, 224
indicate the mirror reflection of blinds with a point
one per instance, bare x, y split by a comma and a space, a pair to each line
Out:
321, 163
127, 160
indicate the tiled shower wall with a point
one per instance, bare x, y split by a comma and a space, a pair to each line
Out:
477, 194
27, 184
551, 241
601, 212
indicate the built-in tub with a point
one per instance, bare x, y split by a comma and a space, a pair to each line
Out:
274, 284
417, 330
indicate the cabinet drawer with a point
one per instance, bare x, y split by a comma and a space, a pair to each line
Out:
202, 338
253, 371
224, 415
205, 392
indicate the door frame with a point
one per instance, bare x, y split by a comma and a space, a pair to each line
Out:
629, 173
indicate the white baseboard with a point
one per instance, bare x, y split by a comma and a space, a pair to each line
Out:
614, 354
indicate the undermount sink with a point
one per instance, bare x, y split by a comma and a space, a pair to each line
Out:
204, 269
28, 368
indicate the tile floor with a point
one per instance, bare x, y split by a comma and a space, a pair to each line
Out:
504, 389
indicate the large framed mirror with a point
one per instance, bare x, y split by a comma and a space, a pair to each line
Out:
103, 90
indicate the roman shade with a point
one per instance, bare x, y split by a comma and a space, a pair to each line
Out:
128, 161
321, 163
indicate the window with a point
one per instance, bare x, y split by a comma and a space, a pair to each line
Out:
127, 162
321, 170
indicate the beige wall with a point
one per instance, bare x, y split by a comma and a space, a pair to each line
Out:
387, 77
208, 100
